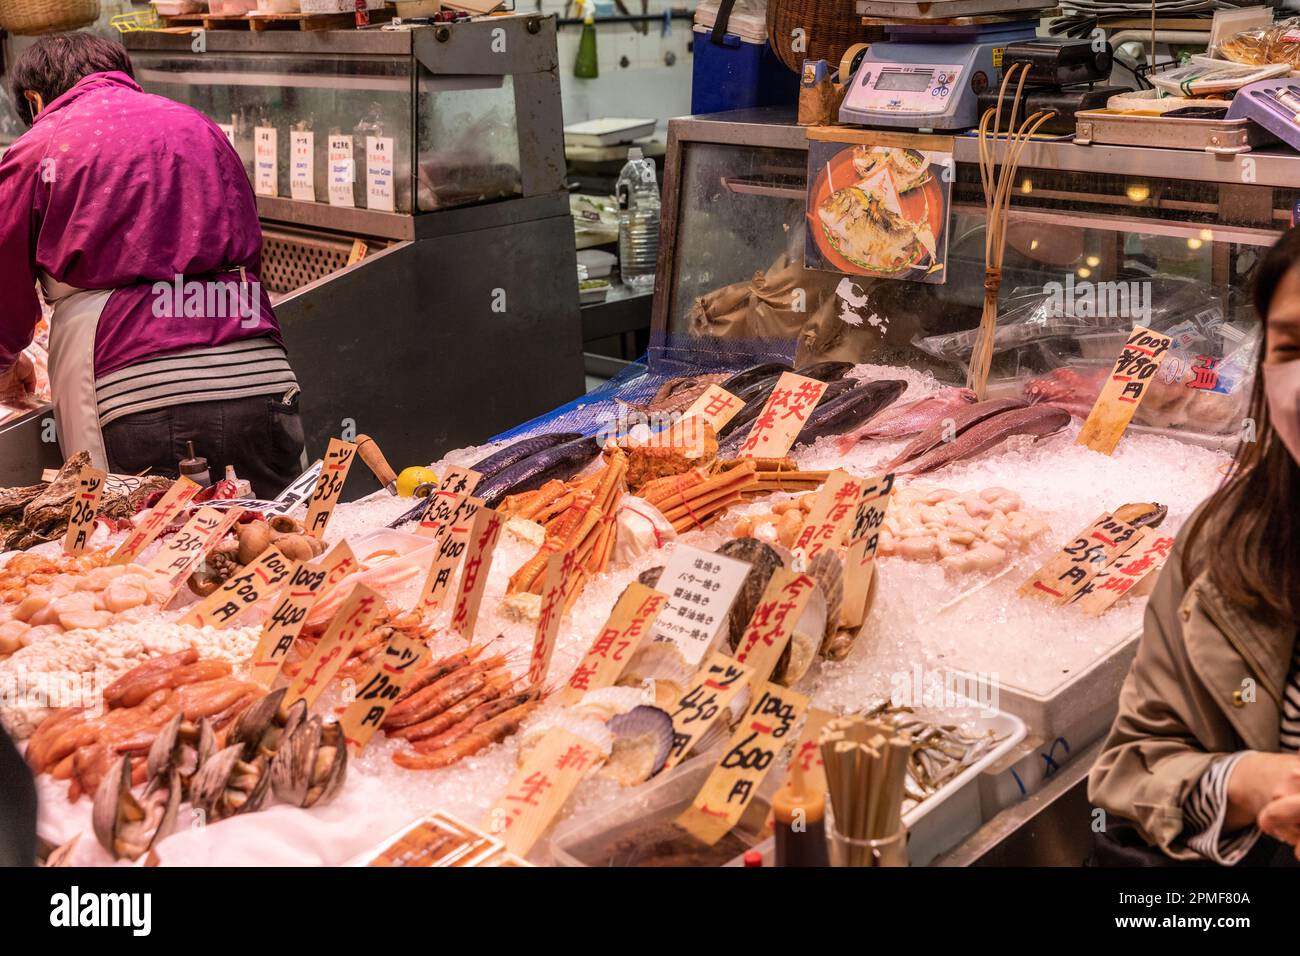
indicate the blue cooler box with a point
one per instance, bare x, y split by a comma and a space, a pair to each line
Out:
738, 74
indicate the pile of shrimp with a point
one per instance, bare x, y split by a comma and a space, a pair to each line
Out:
42, 596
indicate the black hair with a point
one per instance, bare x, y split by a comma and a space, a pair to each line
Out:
53, 65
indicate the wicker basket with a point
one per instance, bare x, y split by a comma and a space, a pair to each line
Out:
829, 27
32, 17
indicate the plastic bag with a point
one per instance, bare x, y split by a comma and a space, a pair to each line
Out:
1279, 43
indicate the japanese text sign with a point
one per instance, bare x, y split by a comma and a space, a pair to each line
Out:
351, 622
171, 504
833, 515
773, 621
1124, 390
241, 590
1071, 568
783, 416
183, 551
700, 586
864, 540
451, 540
704, 702
334, 472
1145, 556
559, 569
381, 688
286, 621
85, 505
627, 627
483, 537
456, 485
717, 406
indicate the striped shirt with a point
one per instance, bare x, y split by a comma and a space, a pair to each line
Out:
1206, 806
215, 373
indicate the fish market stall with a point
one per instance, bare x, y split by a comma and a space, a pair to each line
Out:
799, 566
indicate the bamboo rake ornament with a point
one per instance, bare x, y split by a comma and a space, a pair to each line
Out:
997, 184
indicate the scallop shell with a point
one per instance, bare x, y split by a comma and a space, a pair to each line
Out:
589, 729
763, 561
643, 738
608, 702
657, 661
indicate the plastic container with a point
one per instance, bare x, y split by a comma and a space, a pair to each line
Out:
738, 74
637, 192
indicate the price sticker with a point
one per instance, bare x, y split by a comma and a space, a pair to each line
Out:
832, 515
706, 700
736, 779
302, 165
353, 620
85, 505
627, 627
864, 540
452, 542
266, 164
171, 504
182, 552
286, 621
483, 537
783, 416
559, 571
242, 590
717, 406
1128, 384
773, 621
333, 473
381, 688
539, 789
1071, 568
700, 586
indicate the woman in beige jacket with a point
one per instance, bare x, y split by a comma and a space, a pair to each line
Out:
1202, 757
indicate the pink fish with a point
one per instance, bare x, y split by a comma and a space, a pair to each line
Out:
909, 419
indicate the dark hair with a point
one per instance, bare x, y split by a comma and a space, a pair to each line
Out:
52, 65
1247, 536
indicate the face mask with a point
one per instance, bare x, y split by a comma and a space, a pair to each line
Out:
1282, 390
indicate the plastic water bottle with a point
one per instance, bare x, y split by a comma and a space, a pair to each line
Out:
638, 221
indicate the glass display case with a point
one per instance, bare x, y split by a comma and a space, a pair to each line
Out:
1099, 239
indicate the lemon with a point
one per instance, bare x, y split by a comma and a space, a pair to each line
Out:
412, 477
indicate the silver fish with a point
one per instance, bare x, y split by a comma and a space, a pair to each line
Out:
1038, 420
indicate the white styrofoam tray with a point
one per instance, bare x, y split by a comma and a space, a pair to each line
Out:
607, 132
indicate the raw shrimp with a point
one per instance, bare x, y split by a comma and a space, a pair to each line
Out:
438, 696
479, 738
454, 714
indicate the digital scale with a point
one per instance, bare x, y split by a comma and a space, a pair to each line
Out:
940, 55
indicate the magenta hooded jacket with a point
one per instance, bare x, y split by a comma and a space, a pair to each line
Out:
115, 188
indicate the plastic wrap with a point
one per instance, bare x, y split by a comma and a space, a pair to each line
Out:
1279, 43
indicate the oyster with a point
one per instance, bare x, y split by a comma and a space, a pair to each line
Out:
125, 826
763, 560
311, 763
227, 784
643, 738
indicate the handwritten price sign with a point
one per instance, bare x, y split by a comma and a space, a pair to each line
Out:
452, 540
717, 406
707, 699
773, 621
241, 591
382, 686
352, 621
456, 485
85, 505
627, 627
334, 472
1129, 381
171, 504
1145, 556
1068, 571
483, 537
831, 517
183, 551
783, 416
286, 621
864, 540
559, 569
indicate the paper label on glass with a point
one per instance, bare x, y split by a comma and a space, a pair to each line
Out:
379, 173
229, 130
266, 169
700, 587
302, 166
342, 172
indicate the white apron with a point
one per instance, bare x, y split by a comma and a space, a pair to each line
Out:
72, 367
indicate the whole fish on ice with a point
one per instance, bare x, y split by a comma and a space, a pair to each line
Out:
910, 417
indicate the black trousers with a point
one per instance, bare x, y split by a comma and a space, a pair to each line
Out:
261, 436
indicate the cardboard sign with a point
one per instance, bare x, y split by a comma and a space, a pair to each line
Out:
717, 406
773, 622
864, 540
808, 752
627, 627
1124, 390
352, 621
456, 484
737, 777
483, 537
453, 539
182, 552
266, 166
334, 472
175, 500
286, 621
559, 569
700, 586
1071, 568
381, 688
241, 590
85, 505
707, 699
540, 788
783, 416
379, 173
341, 169
1145, 556
832, 515
302, 165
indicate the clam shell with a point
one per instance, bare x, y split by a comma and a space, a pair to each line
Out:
643, 738
828, 570
293, 774
805, 640
763, 560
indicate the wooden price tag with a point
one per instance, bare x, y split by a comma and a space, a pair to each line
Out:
176, 499
559, 569
452, 540
241, 590
338, 563
773, 621
382, 686
808, 753
737, 777
483, 537
706, 700
783, 416
456, 485
285, 623
183, 551
1071, 568
540, 788
717, 406
1145, 556
832, 515
864, 539
351, 622
623, 633
1124, 390
85, 505
338, 460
